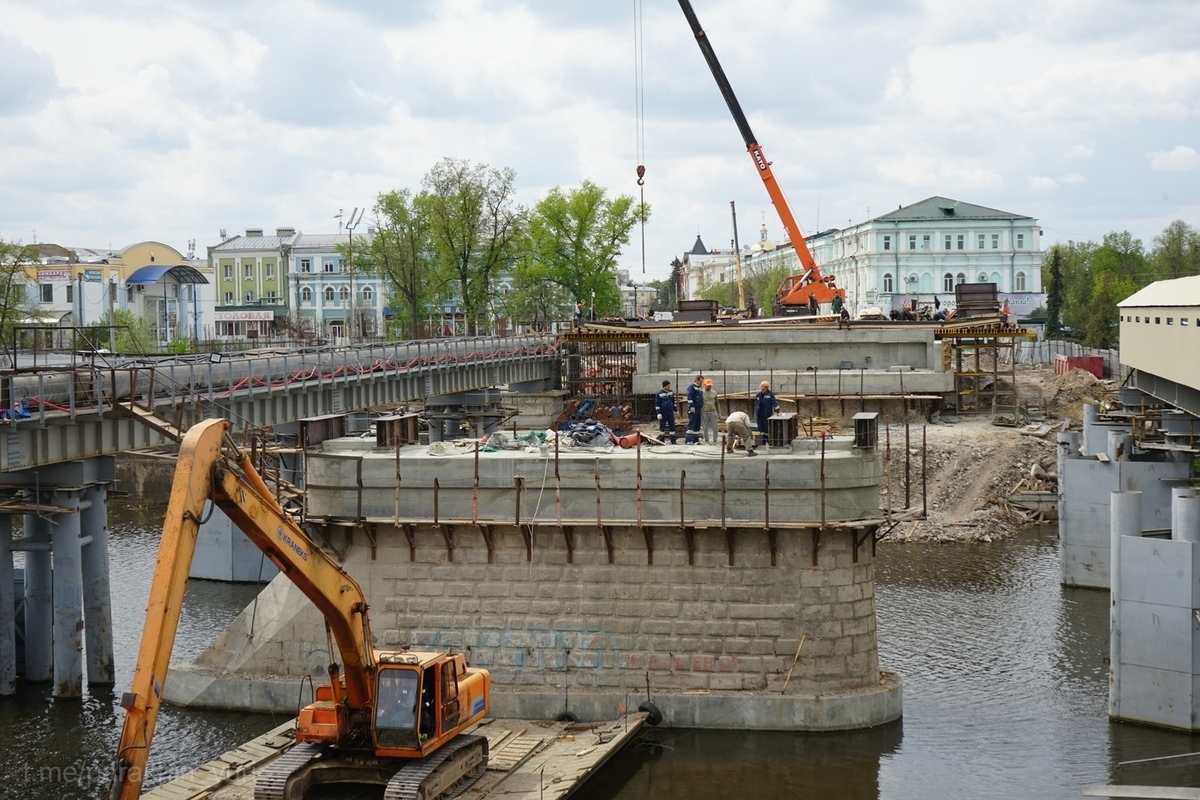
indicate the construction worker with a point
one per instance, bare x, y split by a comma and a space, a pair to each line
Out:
708, 417
765, 405
737, 426
664, 408
695, 398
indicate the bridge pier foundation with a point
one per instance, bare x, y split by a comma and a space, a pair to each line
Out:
67, 552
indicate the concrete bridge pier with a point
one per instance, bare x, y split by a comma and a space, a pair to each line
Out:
39, 589
65, 545
97, 603
8, 623
67, 605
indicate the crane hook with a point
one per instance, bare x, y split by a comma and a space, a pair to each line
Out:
641, 172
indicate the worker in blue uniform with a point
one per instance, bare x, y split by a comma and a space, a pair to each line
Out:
664, 408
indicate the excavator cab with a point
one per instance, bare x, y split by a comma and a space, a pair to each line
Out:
398, 707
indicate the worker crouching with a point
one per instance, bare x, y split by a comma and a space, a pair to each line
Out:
737, 426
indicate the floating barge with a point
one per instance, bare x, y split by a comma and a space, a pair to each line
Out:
529, 760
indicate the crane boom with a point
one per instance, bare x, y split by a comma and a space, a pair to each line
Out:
797, 291
756, 152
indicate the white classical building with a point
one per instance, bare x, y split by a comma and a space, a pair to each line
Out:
909, 256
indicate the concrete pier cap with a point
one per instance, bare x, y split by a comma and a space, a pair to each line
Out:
738, 592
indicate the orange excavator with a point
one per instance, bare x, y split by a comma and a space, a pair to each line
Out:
391, 718
798, 294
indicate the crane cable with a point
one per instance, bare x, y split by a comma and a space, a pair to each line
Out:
639, 116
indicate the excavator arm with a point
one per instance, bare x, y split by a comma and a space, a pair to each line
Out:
208, 469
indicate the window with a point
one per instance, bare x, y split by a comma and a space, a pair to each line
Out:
947, 282
70, 293
995, 241
1158, 320
1020, 241
306, 294
947, 241
960, 279
912, 241
1170, 320
328, 294
962, 241
367, 295
306, 265
328, 266
341, 265
270, 298
887, 243
983, 277
981, 238
344, 293
229, 298
1183, 321
927, 242
270, 270
888, 287
229, 272
1019, 282
1138, 318
1147, 320
248, 271
47, 292
249, 298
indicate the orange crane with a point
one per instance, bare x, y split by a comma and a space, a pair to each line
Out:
798, 293
391, 718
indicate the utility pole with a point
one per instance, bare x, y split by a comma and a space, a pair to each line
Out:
350, 226
112, 315
737, 255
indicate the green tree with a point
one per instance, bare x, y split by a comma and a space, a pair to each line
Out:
1176, 252
1054, 292
577, 235
475, 224
16, 305
402, 250
536, 300
130, 334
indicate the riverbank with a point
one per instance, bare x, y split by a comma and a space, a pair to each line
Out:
970, 465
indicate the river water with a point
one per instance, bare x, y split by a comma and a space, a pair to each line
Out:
1005, 695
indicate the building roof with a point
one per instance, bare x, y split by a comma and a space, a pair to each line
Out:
941, 208
182, 273
1170, 293
698, 249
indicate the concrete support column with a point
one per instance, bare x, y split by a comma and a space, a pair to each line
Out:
8, 626
1120, 446
1185, 514
39, 613
1092, 443
1125, 520
68, 598
97, 597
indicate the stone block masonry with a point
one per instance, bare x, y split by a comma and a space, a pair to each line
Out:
580, 617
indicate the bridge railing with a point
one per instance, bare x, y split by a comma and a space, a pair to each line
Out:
92, 388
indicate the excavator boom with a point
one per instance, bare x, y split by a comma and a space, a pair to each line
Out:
204, 472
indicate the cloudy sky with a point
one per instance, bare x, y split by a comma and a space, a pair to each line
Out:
135, 120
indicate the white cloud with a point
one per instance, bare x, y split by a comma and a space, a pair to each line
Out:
1178, 159
280, 113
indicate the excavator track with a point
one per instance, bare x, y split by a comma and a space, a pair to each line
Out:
271, 783
442, 775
